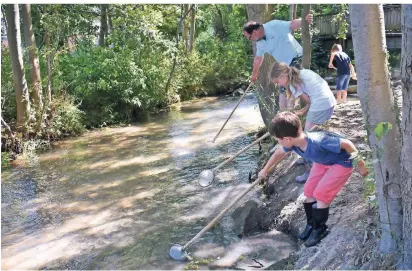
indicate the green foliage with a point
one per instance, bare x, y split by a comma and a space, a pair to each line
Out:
342, 18
394, 58
127, 77
382, 129
5, 160
67, 120
8, 96
109, 84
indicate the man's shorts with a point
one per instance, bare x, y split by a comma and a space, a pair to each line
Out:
325, 182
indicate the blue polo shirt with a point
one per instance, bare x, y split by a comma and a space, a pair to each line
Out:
323, 149
279, 42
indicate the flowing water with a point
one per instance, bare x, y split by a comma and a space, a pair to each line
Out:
119, 198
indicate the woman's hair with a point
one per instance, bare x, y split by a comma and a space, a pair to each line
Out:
250, 26
336, 47
292, 73
285, 124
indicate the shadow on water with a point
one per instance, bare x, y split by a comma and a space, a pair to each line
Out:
119, 198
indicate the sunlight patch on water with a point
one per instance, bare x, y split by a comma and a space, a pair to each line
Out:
128, 202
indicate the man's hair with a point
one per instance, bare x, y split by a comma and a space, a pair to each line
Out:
250, 26
285, 124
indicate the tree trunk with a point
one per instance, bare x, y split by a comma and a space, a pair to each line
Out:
103, 24
49, 58
306, 38
192, 28
35, 78
369, 43
19, 78
110, 23
292, 11
406, 154
267, 92
295, 11
186, 29
169, 80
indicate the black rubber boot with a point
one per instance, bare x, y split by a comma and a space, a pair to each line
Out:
309, 220
320, 230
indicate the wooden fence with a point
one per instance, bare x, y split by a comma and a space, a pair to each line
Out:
392, 16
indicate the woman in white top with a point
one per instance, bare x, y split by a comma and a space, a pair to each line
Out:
310, 87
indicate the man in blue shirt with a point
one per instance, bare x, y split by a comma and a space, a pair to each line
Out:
333, 159
275, 38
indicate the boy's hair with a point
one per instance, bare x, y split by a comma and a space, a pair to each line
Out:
285, 124
250, 26
336, 48
280, 68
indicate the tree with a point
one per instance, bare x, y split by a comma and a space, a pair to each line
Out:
192, 27
369, 43
267, 105
306, 38
103, 24
35, 78
19, 78
292, 11
186, 29
406, 153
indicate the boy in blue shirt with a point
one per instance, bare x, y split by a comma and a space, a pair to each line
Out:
332, 166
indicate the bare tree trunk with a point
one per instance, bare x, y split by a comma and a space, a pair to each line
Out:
406, 154
292, 11
306, 38
103, 24
295, 11
169, 80
369, 43
192, 28
268, 93
19, 78
110, 23
35, 78
49, 58
186, 29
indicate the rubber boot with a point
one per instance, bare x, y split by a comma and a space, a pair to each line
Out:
320, 230
309, 220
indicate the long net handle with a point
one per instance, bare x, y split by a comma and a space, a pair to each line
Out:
240, 100
222, 213
217, 218
241, 151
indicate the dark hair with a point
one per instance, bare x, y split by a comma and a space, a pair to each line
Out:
285, 124
250, 26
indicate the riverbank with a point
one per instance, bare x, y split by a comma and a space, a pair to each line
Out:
277, 210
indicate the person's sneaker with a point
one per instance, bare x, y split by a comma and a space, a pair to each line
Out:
300, 161
303, 178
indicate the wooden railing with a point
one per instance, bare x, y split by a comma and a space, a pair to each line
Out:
392, 16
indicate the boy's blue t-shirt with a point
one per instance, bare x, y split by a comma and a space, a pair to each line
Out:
323, 149
342, 61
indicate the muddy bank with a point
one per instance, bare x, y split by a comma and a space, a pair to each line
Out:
277, 208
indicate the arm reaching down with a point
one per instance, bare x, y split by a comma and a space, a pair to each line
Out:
350, 148
257, 62
273, 160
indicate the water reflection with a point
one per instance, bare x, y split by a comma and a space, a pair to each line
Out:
118, 198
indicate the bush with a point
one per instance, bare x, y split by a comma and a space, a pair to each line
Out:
66, 118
